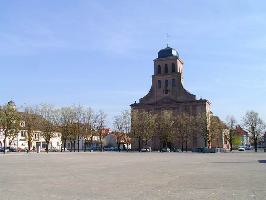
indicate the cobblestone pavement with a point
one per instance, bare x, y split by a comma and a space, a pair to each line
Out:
112, 175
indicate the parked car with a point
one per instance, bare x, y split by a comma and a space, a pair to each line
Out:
175, 150
110, 149
8, 149
249, 148
146, 149
165, 150
12, 149
241, 148
54, 150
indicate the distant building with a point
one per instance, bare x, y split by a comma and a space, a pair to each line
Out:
168, 93
244, 137
20, 142
92, 143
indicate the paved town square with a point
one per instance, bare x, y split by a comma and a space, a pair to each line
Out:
132, 176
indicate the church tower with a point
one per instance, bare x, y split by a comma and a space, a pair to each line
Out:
168, 93
167, 80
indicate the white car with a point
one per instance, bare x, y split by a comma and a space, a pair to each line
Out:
241, 148
146, 149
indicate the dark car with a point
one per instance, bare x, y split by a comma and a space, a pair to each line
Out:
165, 150
175, 150
12, 149
8, 149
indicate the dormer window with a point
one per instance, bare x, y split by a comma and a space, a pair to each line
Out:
22, 124
159, 70
166, 68
173, 68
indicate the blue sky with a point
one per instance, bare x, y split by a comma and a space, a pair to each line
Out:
100, 53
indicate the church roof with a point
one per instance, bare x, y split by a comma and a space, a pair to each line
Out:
167, 52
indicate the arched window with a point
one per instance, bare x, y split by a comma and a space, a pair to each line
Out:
166, 83
166, 68
159, 70
159, 84
173, 68
173, 83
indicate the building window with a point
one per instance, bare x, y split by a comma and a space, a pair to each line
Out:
43, 145
173, 67
166, 68
159, 70
173, 83
159, 84
166, 83
22, 133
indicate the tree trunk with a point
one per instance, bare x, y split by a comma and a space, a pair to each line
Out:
29, 145
101, 142
186, 145
139, 144
91, 141
255, 144
47, 144
78, 144
5, 145
231, 140
65, 145
182, 145
74, 145
118, 146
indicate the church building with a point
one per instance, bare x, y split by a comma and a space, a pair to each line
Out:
168, 93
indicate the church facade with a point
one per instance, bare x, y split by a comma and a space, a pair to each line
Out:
168, 93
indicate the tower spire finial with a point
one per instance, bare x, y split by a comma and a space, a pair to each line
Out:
167, 39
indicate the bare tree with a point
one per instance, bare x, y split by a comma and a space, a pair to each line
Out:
79, 112
122, 127
216, 129
255, 125
87, 129
66, 120
202, 123
49, 123
9, 121
32, 120
183, 129
165, 128
143, 126
100, 120
118, 127
231, 125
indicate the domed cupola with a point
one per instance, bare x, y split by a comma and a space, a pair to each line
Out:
167, 52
